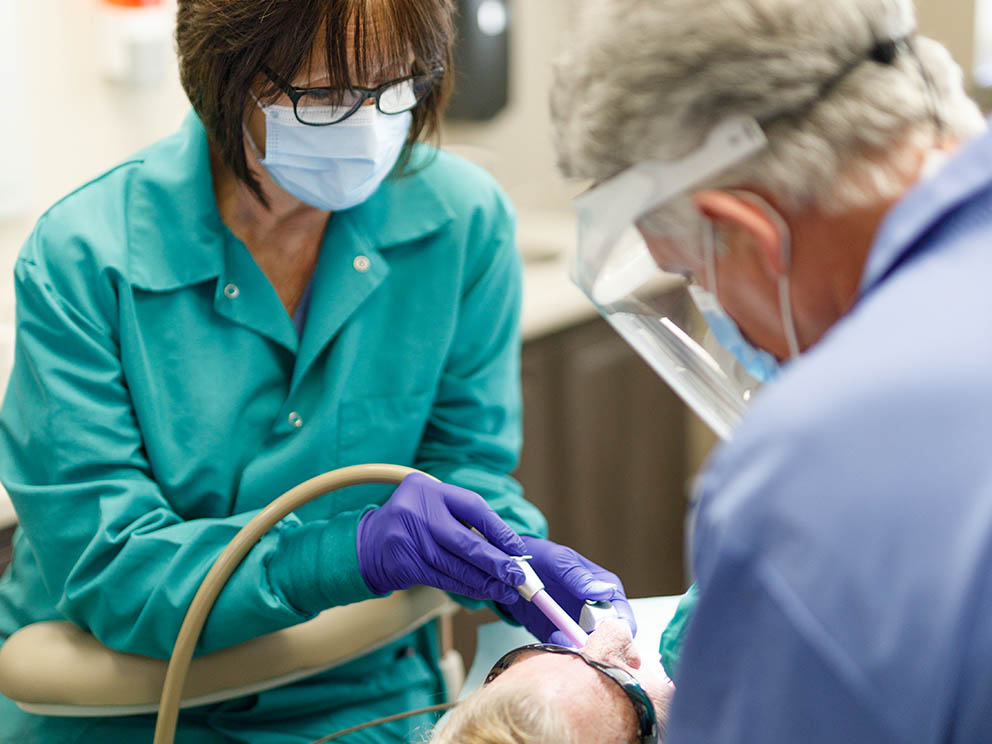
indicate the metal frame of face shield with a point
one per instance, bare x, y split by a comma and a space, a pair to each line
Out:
611, 209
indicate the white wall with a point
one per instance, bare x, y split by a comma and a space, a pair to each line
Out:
516, 145
77, 123
952, 23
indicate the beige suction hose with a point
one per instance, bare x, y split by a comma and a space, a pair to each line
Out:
228, 561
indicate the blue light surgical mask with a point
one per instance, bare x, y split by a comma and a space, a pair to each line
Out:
760, 364
332, 167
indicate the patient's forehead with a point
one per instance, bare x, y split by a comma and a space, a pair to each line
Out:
596, 709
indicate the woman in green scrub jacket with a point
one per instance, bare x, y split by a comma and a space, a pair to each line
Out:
287, 285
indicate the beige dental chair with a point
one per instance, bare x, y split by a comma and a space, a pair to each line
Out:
54, 668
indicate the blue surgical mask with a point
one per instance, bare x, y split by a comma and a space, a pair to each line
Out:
333, 167
761, 365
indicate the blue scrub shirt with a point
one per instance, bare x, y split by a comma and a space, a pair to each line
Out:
161, 396
843, 547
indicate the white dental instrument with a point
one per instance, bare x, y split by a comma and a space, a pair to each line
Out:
595, 613
533, 591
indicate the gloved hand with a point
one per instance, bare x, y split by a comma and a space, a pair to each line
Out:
419, 536
570, 579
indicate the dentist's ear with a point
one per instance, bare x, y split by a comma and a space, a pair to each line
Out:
733, 213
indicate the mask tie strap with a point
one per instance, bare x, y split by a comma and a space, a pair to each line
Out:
784, 295
788, 320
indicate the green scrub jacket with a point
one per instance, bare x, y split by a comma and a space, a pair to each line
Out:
673, 637
160, 397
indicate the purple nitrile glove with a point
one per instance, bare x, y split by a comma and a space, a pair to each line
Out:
570, 579
422, 535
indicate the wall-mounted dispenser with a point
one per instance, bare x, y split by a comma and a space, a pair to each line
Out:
136, 38
482, 59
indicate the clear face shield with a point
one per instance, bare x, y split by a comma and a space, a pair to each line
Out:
661, 313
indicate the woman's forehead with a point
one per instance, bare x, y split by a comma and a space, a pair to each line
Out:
368, 48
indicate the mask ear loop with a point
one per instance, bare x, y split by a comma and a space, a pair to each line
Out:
785, 254
784, 295
886, 52
251, 143
785, 298
248, 138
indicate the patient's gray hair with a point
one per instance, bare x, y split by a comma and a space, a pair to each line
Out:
647, 79
502, 715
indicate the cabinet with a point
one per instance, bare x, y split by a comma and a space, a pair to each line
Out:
605, 455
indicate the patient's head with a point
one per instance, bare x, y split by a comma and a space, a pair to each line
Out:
551, 697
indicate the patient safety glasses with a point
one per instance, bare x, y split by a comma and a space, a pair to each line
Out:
617, 266
647, 721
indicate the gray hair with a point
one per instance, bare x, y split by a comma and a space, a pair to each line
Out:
647, 79
503, 715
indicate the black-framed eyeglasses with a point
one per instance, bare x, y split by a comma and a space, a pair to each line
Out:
647, 719
320, 107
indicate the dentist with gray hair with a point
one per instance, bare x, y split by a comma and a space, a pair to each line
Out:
790, 219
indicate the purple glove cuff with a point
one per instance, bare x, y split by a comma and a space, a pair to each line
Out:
365, 549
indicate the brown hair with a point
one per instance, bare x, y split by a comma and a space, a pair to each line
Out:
224, 46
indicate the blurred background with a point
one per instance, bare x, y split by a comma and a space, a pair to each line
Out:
609, 452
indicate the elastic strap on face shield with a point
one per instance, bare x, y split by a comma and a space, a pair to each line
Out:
931, 92
886, 52
883, 52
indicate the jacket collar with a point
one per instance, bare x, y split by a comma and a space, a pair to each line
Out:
966, 173
175, 234
176, 237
